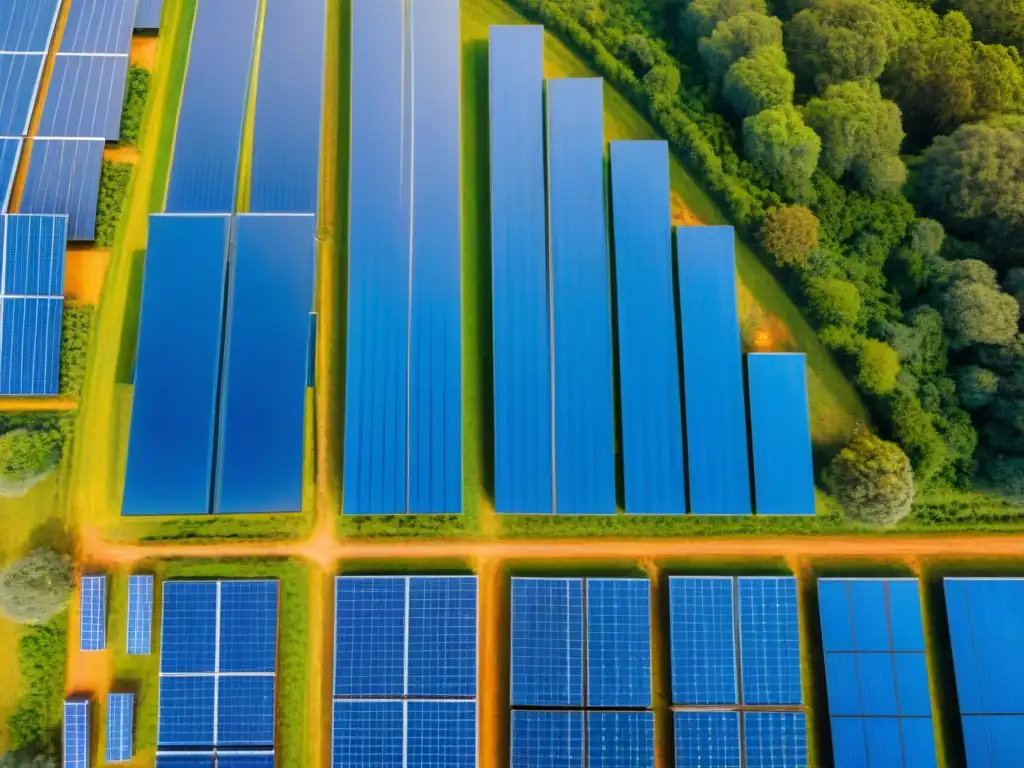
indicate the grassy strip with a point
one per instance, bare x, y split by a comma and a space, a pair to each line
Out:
405, 526
114, 180
135, 94
74, 348
35, 723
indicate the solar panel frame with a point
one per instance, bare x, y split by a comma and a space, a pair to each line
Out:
769, 638
10, 153
93, 619
120, 720
75, 733
85, 97
34, 30
140, 615
618, 642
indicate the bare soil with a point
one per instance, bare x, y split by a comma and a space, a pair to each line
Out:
84, 272
144, 50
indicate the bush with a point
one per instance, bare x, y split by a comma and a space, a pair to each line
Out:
878, 365
976, 386
977, 314
74, 348
114, 180
783, 149
37, 587
872, 479
758, 82
135, 94
832, 301
790, 234
26, 456
42, 652
26, 759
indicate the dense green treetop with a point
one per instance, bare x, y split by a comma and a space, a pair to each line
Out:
758, 82
790, 234
783, 149
735, 38
37, 587
995, 21
872, 479
701, 16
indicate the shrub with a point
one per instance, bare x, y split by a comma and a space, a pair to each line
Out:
27, 759
878, 365
976, 386
37, 587
790, 234
832, 301
74, 348
977, 314
26, 456
135, 94
758, 82
872, 479
783, 149
114, 180
42, 651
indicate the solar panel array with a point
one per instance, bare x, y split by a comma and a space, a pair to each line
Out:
876, 673
582, 646
403, 401
735, 647
85, 97
140, 614
218, 657
147, 15
31, 303
75, 733
93, 620
120, 717
64, 178
986, 621
405, 671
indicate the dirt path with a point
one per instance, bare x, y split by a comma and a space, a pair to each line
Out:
128, 155
84, 272
143, 52
11, 404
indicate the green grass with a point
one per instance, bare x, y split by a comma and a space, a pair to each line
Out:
35, 722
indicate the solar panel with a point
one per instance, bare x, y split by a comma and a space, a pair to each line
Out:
236, 760
245, 710
369, 649
85, 97
769, 641
442, 633
93, 627
30, 345
617, 739
552, 739
140, 614
34, 253
98, 26
120, 714
64, 178
547, 642
184, 761
440, 734
10, 152
147, 17
20, 74
189, 633
775, 739
707, 739
186, 711
76, 733
703, 643
27, 25
248, 626
368, 734
618, 643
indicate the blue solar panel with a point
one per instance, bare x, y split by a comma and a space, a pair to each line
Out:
919, 742
993, 741
140, 614
442, 636
775, 739
120, 714
868, 611
581, 299
716, 424
260, 464
651, 402
93, 624
64, 178
189, 635
27, 25
248, 626
707, 739
369, 652
186, 711
780, 428
769, 641
76, 734
245, 710
34, 253
522, 351
19, 83
617, 739
547, 642
618, 643
441, 734
703, 644
85, 97
906, 624
30, 345
10, 152
288, 116
242, 760
204, 174
184, 761
547, 739
368, 734
98, 26
912, 684
147, 16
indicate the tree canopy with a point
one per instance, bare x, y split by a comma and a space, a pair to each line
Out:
701, 16
25, 759
872, 479
25, 456
790, 234
758, 82
737, 37
878, 365
783, 148
37, 587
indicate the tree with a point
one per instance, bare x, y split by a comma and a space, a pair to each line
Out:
25, 457
25, 759
37, 587
702, 16
978, 314
790, 234
878, 365
735, 38
663, 80
832, 301
835, 41
872, 479
758, 82
976, 386
995, 21
783, 149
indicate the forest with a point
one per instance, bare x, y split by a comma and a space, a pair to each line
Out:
875, 150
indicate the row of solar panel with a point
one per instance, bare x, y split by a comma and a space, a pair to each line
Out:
552, 302
92, 631
403, 398
286, 132
218, 416
75, 730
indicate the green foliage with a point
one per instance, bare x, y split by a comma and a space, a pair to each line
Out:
36, 588
735, 38
783, 149
832, 301
663, 81
915, 430
835, 41
976, 386
758, 82
74, 347
35, 722
26, 759
114, 180
702, 16
135, 94
995, 21
1006, 476
26, 456
790, 234
878, 365
873, 480
978, 314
